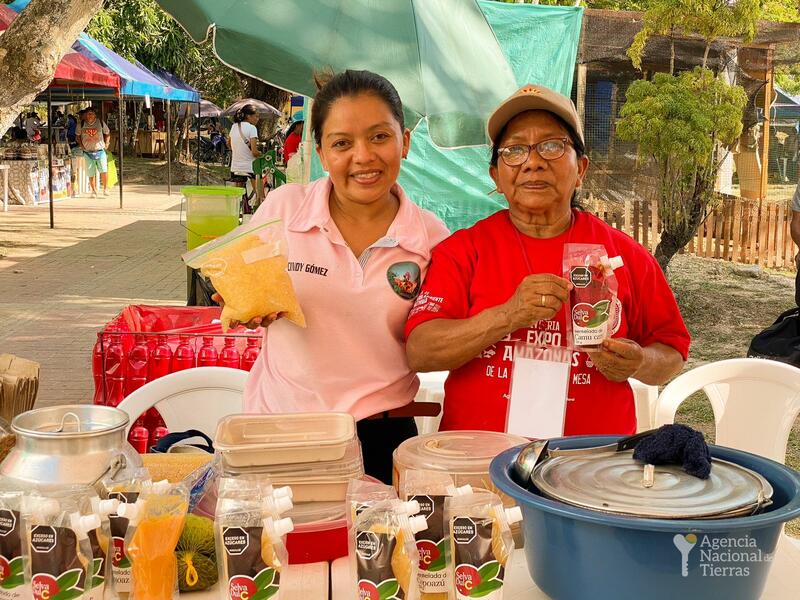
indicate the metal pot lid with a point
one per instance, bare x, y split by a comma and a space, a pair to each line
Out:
616, 483
69, 421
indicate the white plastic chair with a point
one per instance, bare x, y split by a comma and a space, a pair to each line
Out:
755, 402
190, 399
645, 397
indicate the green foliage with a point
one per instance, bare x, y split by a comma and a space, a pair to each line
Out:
682, 122
710, 19
680, 117
140, 30
785, 11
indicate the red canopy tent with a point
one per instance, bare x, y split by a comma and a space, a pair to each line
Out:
74, 68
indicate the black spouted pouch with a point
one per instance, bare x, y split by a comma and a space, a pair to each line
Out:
780, 341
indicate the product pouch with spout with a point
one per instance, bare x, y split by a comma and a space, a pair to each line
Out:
12, 577
361, 495
250, 537
594, 311
383, 553
480, 546
431, 489
57, 551
100, 584
125, 491
156, 522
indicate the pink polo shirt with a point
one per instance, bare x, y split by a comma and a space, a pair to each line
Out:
351, 357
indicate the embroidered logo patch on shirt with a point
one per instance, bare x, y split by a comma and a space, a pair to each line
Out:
404, 277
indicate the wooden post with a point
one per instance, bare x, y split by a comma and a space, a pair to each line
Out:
121, 137
752, 234
737, 227
768, 91
581, 94
636, 220
763, 228
50, 124
169, 148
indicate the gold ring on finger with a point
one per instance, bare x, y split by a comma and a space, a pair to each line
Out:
543, 300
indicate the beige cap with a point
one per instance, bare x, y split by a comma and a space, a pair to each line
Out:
534, 97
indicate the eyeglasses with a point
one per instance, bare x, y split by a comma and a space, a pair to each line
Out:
516, 154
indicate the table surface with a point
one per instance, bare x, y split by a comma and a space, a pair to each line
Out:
310, 582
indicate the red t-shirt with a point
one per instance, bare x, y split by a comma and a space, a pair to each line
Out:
481, 267
290, 145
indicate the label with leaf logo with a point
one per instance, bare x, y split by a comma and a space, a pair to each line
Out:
376, 577
97, 568
56, 567
590, 322
478, 574
248, 577
11, 575
432, 544
120, 563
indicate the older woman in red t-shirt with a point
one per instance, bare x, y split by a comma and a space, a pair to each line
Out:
499, 282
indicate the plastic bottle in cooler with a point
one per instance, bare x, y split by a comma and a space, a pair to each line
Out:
229, 357
97, 370
136, 373
160, 360
250, 353
158, 433
184, 355
208, 355
139, 437
115, 365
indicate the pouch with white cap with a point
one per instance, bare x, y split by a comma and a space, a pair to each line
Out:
383, 551
481, 544
100, 582
594, 311
57, 552
12, 578
156, 522
430, 489
362, 494
250, 536
125, 489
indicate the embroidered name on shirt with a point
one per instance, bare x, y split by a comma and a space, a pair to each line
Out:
307, 268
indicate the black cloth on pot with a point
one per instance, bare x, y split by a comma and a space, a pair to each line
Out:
676, 445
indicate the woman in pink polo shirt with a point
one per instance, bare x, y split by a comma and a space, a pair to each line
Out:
358, 250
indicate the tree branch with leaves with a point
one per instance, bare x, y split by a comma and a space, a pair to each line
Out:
32, 47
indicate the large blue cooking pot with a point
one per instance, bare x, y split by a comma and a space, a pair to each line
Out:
577, 554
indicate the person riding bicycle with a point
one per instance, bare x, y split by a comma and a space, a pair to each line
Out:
243, 141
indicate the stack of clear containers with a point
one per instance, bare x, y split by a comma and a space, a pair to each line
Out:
317, 454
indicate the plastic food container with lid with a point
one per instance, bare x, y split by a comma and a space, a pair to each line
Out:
312, 481
465, 455
250, 441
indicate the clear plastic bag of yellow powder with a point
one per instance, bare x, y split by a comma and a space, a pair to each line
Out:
248, 267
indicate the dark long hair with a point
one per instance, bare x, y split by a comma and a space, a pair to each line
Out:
577, 144
244, 112
331, 87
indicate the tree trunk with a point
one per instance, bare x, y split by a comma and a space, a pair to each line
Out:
135, 129
668, 247
32, 47
705, 54
672, 55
